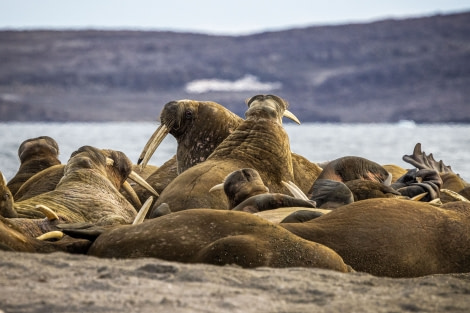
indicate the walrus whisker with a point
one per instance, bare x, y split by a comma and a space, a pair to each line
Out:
152, 144
291, 116
51, 235
295, 190
454, 195
143, 211
139, 180
132, 194
217, 187
50, 215
419, 197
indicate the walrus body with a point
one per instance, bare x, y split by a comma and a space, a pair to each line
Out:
215, 237
36, 154
260, 142
394, 237
89, 190
6, 199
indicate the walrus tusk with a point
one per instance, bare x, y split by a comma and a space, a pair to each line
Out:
295, 190
143, 211
109, 162
50, 215
132, 194
291, 116
51, 235
217, 187
139, 180
152, 144
454, 195
388, 180
419, 197
4, 179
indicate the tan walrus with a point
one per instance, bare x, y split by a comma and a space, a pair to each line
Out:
260, 142
394, 237
88, 192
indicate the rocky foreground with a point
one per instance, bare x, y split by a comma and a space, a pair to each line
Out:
62, 282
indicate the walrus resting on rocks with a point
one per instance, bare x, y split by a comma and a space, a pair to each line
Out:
214, 237
260, 142
395, 237
36, 154
6, 199
88, 192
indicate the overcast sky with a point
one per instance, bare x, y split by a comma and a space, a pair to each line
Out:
211, 16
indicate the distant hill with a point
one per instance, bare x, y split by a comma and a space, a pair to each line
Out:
412, 69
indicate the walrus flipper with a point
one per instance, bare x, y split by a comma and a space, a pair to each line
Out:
82, 230
420, 160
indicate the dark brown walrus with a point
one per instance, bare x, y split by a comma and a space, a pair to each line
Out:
6, 199
89, 190
215, 237
260, 142
36, 154
199, 127
394, 237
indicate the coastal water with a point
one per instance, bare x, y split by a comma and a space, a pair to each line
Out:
382, 143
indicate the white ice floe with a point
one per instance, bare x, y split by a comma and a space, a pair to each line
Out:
246, 83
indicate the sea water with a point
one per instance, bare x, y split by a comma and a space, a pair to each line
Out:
318, 142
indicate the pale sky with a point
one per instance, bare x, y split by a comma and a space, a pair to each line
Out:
211, 16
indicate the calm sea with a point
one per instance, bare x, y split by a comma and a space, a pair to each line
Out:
382, 143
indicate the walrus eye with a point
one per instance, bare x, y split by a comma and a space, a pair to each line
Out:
188, 114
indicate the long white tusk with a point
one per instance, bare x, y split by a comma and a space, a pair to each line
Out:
295, 190
454, 195
152, 144
139, 180
217, 187
291, 116
132, 194
50, 215
51, 235
4, 179
143, 211
388, 180
419, 197
109, 161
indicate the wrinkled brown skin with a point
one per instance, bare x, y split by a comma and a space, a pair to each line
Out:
36, 154
260, 142
215, 237
42, 182
394, 237
12, 238
6, 200
88, 192
367, 189
352, 167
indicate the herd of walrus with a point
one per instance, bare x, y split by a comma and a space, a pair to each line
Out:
234, 193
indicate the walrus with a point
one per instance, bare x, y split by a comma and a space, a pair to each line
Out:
199, 127
213, 237
260, 142
12, 238
395, 237
88, 191
35, 154
6, 199
41, 182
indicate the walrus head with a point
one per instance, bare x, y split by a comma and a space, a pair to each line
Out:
6, 199
114, 165
269, 106
198, 126
38, 147
240, 185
